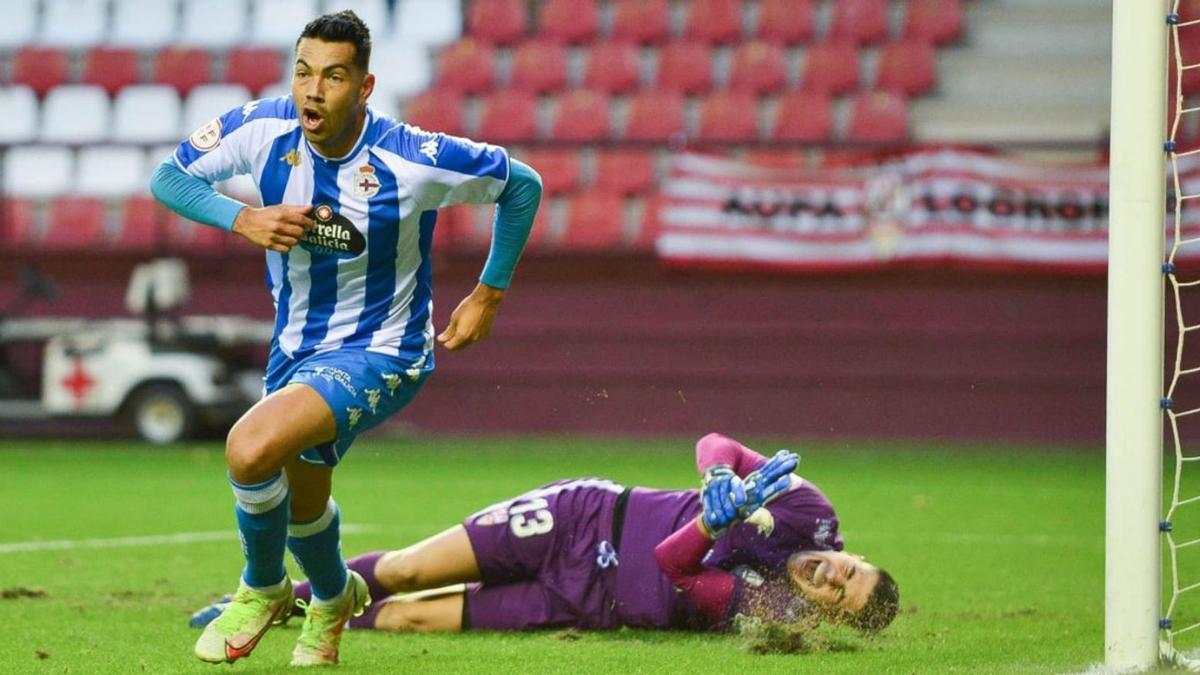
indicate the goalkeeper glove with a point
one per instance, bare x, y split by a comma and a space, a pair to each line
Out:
769, 481
722, 496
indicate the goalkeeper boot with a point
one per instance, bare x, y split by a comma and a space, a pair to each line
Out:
237, 630
324, 622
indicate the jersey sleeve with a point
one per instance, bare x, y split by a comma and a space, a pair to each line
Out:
460, 171
224, 146
681, 557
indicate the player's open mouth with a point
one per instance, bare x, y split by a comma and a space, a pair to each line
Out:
808, 570
312, 119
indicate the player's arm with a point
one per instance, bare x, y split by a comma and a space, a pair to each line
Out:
719, 450
680, 557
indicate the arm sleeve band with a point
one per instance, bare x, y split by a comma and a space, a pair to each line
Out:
680, 557
515, 208
716, 449
192, 197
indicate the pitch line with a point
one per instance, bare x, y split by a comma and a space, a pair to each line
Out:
151, 540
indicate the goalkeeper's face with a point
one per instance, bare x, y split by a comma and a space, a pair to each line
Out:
330, 91
836, 582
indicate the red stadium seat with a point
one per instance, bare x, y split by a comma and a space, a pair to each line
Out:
437, 110
39, 68
759, 67
254, 68
581, 117
804, 117
830, 67
472, 227
612, 67
776, 158
184, 69
501, 22
539, 66
558, 167
729, 117
509, 117
786, 21
624, 172
642, 21
655, 116
595, 222
17, 224
111, 68
144, 224
880, 117
572, 21
907, 68
685, 67
936, 21
714, 21
75, 224
859, 21
466, 66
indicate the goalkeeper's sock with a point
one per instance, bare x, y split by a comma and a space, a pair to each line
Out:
317, 546
262, 518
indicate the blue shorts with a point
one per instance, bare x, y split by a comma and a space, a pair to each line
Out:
362, 388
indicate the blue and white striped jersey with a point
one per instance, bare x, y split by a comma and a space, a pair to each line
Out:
360, 279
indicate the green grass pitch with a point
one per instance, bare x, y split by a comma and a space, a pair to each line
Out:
999, 553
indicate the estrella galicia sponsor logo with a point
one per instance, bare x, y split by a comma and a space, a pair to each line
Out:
333, 234
336, 375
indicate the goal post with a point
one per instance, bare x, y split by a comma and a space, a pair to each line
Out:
1133, 455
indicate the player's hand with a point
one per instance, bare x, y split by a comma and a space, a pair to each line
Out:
472, 320
277, 228
769, 481
722, 495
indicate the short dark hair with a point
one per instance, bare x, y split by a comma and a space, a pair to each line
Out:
343, 26
882, 605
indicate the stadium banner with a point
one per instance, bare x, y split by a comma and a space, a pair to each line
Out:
933, 207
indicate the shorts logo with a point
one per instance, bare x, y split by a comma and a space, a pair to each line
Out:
353, 415
391, 381
606, 555
334, 235
206, 137
495, 517
337, 375
366, 185
372, 398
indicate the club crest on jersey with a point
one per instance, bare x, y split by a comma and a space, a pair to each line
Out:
366, 185
353, 415
292, 157
206, 137
334, 235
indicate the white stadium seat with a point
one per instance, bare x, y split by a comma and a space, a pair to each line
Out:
155, 156
111, 171
402, 69
277, 23
374, 13
146, 113
214, 23
74, 23
20, 115
19, 26
241, 188
144, 23
75, 113
38, 171
208, 101
429, 22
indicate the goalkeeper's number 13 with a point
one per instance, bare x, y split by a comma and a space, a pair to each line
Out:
530, 519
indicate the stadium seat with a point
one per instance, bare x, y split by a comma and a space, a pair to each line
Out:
254, 68
436, 110
75, 113
20, 23
785, 21
471, 227
624, 172
936, 21
649, 224
111, 171
146, 113
73, 23
74, 224
18, 224
20, 108
112, 68
595, 223
859, 21
241, 187
39, 68
685, 67
432, 23
277, 23
539, 66
466, 66
830, 67
143, 226
758, 67
570, 21
581, 116
641, 21
374, 13
878, 116
908, 68
714, 21
146, 24
37, 171
501, 22
559, 168
207, 102
776, 158
612, 67
413, 72
184, 69
728, 117
803, 117
195, 238
508, 117
215, 23
655, 116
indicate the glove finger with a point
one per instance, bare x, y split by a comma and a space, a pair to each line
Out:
776, 486
737, 494
723, 499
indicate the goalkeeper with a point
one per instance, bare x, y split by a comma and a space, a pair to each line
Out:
592, 554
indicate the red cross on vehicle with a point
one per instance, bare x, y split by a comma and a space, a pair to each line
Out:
78, 382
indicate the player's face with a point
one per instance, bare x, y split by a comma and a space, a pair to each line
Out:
839, 583
330, 93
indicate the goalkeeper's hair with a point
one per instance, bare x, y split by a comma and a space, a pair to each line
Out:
343, 26
882, 605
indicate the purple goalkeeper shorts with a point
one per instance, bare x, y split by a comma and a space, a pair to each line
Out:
546, 558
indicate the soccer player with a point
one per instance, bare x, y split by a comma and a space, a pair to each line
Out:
589, 553
349, 198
